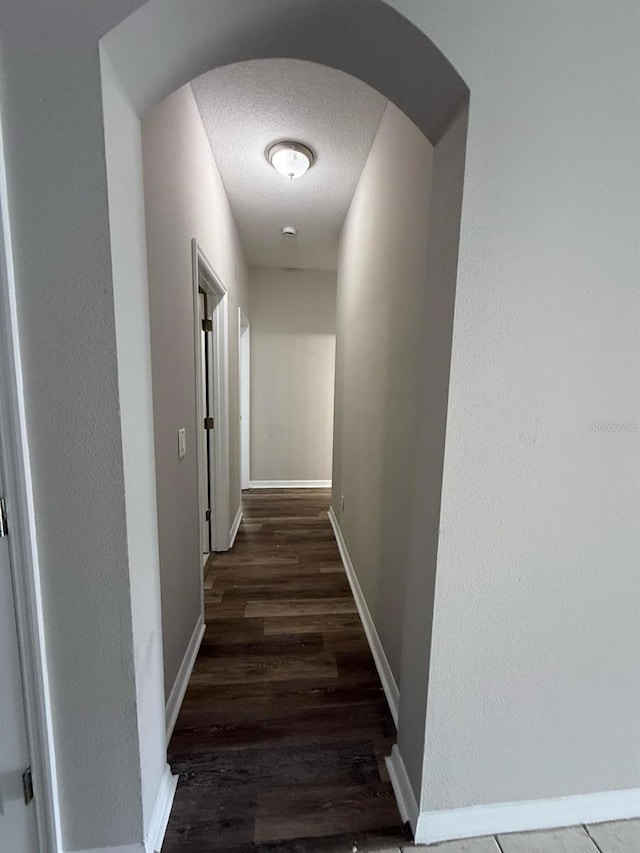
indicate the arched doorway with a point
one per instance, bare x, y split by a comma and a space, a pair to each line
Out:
149, 60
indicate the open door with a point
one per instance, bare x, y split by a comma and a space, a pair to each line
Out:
212, 402
207, 424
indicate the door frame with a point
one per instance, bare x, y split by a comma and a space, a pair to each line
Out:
244, 393
22, 542
206, 278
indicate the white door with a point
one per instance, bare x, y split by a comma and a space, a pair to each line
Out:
18, 829
207, 425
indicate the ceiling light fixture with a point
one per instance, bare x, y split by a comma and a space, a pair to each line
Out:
289, 231
291, 159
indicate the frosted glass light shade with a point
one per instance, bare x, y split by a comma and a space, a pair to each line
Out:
291, 159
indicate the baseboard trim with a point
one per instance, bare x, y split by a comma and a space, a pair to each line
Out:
234, 527
290, 484
526, 815
179, 688
502, 818
382, 664
161, 812
407, 805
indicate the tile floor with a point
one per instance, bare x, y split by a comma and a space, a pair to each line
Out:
618, 837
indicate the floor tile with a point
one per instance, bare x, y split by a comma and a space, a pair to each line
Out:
383, 842
486, 844
574, 839
622, 836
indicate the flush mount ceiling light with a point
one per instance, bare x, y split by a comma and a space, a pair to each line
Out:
291, 159
289, 231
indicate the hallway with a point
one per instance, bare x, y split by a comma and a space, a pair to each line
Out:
284, 727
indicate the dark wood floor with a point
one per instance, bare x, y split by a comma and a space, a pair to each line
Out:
281, 739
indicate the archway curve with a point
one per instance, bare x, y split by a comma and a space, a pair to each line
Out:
163, 46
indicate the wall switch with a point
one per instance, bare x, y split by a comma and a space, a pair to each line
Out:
182, 443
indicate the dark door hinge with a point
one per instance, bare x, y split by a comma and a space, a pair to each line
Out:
4, 524
207, 515
208, 423
207, 325
27, 786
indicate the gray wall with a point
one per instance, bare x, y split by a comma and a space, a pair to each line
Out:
293, 333
535, 687
131, 306
185, 198
536, 631
382, 272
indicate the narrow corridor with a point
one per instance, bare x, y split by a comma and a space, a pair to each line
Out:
281, 739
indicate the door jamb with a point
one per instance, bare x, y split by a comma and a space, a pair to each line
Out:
205, 277
22, 541
244, 376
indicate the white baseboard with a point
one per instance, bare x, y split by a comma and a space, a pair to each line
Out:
179, 688
407, 805
234, 527
290, 484
382, 664
502, 818
161, 812
526, 815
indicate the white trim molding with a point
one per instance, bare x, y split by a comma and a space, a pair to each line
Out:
205, 278
174, 702
235, 527
407, 805
501, 818
382, 664
244, 391
290, 484
161, 812
526, 815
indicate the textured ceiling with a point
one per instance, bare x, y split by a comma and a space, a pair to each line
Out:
247, 106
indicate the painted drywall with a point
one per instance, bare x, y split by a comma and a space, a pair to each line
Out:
293, 337
184, 198
72, 408
382, 288
424, 501
131, 307
534, 688
546, 334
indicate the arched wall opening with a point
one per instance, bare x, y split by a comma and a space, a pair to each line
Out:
143, 60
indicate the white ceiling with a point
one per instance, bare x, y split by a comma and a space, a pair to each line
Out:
247, 106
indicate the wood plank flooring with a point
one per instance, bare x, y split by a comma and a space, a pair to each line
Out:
281, 739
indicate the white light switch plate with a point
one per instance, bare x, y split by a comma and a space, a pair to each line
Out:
182, 443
